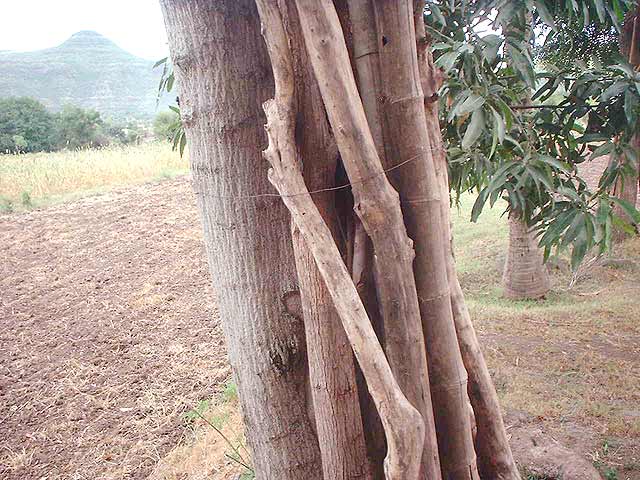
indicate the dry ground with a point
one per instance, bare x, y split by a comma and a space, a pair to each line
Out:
109, 335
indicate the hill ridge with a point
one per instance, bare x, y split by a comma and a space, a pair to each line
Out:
88, 70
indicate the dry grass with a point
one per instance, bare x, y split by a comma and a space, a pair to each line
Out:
572, 361
206, 453
35, 179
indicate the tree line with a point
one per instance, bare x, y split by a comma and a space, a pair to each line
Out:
26, 125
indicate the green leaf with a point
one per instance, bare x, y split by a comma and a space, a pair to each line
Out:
574, 230
491, 47
437, 14
613, 91
474, 130
522, 64
448, 60
628, 209
162, 61
471, 104
459, 99
604, 149
630, 106
554, 162
478, 205
499, 125
183, 143
579, 251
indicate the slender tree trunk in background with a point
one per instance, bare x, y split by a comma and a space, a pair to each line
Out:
525, 274
627, 188
332, 373
224, 75
421, 199
495, 460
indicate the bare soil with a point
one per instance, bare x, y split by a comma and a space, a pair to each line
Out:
108, 334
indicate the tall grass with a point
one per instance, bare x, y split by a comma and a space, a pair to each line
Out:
37, 178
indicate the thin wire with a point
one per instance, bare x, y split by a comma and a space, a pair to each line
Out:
324, 190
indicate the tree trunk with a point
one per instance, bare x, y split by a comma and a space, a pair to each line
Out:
626, 188
367, 63
224, 75
376, 204
402, 422
421, 200
332, 373
525, 274
495, 460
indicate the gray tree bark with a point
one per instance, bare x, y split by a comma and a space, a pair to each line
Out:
225, 75
421, 199
495, 459
525, 274
332, 373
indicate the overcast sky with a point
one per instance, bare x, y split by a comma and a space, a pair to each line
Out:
135, 25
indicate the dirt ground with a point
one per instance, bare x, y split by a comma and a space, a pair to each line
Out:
108, 334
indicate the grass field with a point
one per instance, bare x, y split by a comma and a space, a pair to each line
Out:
37, 179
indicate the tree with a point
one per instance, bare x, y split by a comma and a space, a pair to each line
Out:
391, 219
165, 125
626, 188
225, 76
503, 147
25, 126
79, 128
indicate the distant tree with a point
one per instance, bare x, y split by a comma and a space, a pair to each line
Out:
572, 41
165, 125
123, 133
25, 125
79, 128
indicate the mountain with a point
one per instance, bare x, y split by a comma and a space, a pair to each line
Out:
87, 70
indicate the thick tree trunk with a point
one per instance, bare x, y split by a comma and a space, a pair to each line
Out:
525, 274
421, 199
225, 75
495, 460
332, 373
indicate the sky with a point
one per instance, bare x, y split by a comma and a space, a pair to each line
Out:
135, 25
